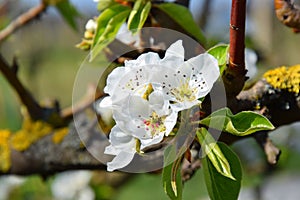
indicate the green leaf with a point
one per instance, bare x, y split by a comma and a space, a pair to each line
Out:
241, 124
211, 149
138, 15
68, 12
104, 4
218, 186
144, 14
183, 17
134, 16
109, 23
220, 52
171, 176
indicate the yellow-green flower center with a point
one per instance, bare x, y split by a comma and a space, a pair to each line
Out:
184, 92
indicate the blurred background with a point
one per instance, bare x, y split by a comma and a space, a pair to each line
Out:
48, 60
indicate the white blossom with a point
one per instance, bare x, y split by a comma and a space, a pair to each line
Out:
146, 95
185, 82
139, 124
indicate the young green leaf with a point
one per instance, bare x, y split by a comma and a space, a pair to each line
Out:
134, 16
68, 12
109, 23
218, 186
182, 16
104, 4
220, 52
138, 15
144, 14
240, 124
171, 176
211, 149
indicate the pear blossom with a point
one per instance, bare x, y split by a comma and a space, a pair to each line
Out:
139, 124
147, 120
185, 82
146, 95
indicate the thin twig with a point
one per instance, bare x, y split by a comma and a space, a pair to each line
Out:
34, 109
22, 20
92, 94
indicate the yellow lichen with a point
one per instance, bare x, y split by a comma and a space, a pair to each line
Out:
5, 161
59, 135
21, 140
31, 132
287, 78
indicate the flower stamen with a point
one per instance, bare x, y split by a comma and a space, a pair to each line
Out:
184, 92
155, 124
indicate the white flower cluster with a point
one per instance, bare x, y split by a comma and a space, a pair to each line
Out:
146, 95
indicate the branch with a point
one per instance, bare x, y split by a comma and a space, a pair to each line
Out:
22, 20
46, 157
277, 102
51, 115
234, 75
92, 94
34, 109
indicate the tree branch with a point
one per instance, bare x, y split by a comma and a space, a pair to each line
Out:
51, 115
34, 109
234, 75
46, 157
22, 20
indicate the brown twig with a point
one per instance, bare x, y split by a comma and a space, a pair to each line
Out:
234, 75
34, 109
92, 94
22, 20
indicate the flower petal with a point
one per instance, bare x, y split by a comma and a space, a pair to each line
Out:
155, 140
122, 146
121, 160
174, 55
175, 50
149, 58
159, 103
106, 102
204, 74
121, 140
170, 122
113, 79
